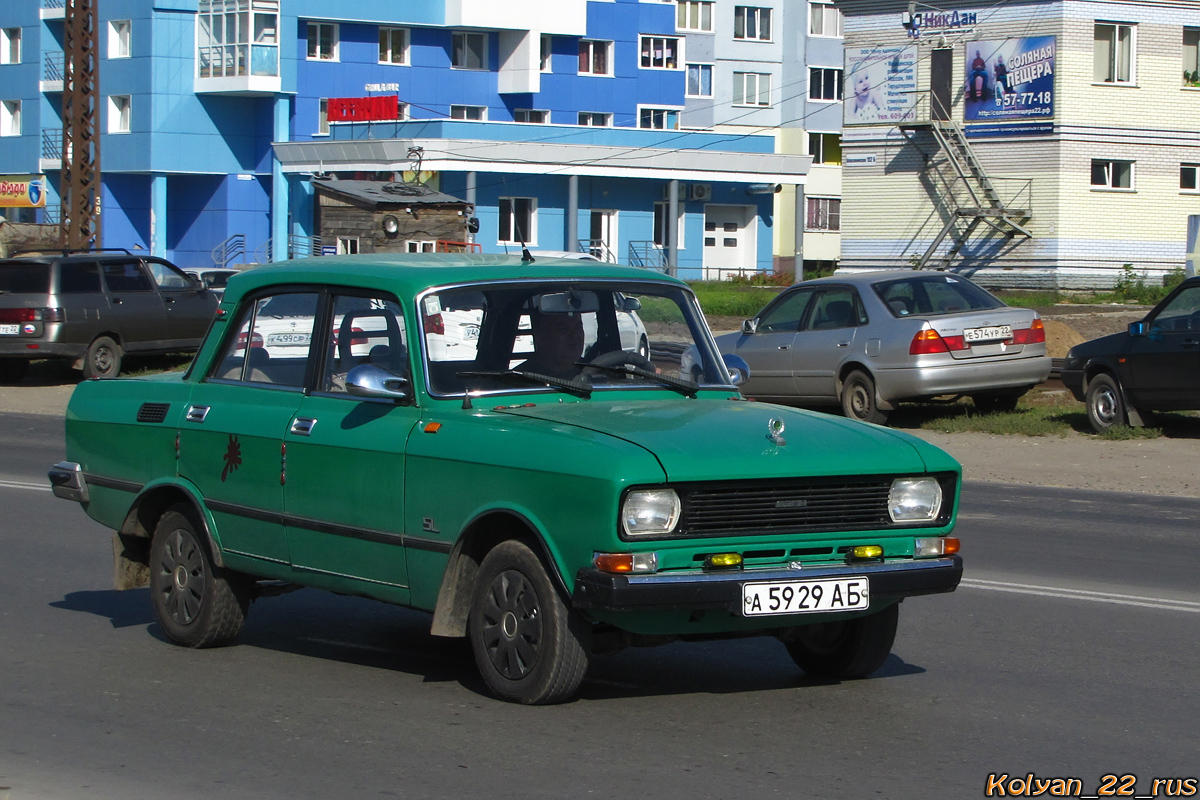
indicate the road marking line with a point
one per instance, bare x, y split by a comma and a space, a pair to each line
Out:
1083, 594
37, 487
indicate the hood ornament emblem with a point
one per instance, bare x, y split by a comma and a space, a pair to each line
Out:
775, 430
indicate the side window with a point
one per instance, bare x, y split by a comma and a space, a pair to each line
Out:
168, 277
900, 298
269, 343
1182, 313
364, 330
833, 309
78, 277
126, 276
785, 316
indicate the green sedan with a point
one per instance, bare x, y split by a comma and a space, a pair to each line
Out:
468, 436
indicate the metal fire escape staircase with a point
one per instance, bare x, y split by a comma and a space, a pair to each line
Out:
967, 196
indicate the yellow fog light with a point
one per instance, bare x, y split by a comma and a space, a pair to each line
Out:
866, 551
723, 561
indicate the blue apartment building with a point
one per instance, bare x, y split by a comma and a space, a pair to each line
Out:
560, 121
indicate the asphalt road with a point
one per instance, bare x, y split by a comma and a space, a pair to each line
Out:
1070, 651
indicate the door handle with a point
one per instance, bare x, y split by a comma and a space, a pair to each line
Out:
169, 300
196, 413
785, 347
116, 301
302, 426
843, 344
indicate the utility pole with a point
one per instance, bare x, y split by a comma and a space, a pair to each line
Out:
80, 186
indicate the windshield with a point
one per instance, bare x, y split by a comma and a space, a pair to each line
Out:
574, 336
926, 295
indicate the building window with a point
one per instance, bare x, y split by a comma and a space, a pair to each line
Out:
10, 118
518, 220
661, 210
1191, 56
595, 119
469, 51
595, 58
824, 214
824, 83
751, 89
393, 45
660, 52
1112, 174
322, 41
323, 116
699, 80
10, 45
694, 15
415, 246
1189, 177
824, 19
752, 23
347, 245
1114, 48
476, 113
536, 116
659, 119
547, 43
119, 36
228, 45
825, 148
119, 111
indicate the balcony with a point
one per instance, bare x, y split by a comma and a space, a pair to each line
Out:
238, 69
51, 156
53, 71
53, 9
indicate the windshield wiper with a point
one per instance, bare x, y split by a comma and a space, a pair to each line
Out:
678, 384
577, 388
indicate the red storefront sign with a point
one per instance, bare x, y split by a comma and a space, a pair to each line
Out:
363, 109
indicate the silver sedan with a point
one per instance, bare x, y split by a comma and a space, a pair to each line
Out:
867, 341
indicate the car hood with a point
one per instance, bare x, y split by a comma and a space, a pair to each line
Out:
722, 439
1105, 345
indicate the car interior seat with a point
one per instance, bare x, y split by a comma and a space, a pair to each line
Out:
837, 314
901, 306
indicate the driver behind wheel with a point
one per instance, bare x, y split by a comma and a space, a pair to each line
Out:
558, 340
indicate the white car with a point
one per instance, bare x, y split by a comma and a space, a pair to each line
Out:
216, 278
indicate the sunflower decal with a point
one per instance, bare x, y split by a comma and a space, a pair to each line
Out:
232, 457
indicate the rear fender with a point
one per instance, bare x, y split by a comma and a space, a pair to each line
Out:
131, 544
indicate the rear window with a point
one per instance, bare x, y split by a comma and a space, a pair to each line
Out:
927, 295
23, 278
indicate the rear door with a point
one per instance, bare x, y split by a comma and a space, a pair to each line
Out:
135, 304
826, 338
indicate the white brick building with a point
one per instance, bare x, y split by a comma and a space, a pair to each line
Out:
1090, 142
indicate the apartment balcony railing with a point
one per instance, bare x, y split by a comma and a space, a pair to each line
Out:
53, 72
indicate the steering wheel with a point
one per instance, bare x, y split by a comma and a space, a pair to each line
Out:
616, 358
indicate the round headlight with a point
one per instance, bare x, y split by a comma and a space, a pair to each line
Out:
915, 500
649, 512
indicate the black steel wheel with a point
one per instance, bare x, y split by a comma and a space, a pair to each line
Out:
197, 603
13, 370
858, 399
1105, 404
103, 359
844, 650
529, 646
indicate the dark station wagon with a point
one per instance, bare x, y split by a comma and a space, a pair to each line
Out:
472, 436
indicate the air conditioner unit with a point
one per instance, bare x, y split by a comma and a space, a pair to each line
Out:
681, 193
700, 191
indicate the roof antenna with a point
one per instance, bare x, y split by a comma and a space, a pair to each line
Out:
526, 256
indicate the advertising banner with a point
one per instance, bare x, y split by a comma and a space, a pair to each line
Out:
881, 85
22, 191
1010, 79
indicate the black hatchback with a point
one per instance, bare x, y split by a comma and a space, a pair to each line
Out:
1154, 366
92, 308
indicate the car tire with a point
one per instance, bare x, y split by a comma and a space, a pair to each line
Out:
529, 646
103, 359
1105, 403
858, 399
197, 604
13, 370
844, 650
995, 403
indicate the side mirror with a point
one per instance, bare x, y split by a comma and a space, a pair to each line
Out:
750, 326
630, 304
1137, 328
738, 369
371, 380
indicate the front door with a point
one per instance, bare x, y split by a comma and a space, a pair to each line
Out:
729, 242
1165, 363
770, 349
602, 235
344, 492
189, 309
941, 82
231, 439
